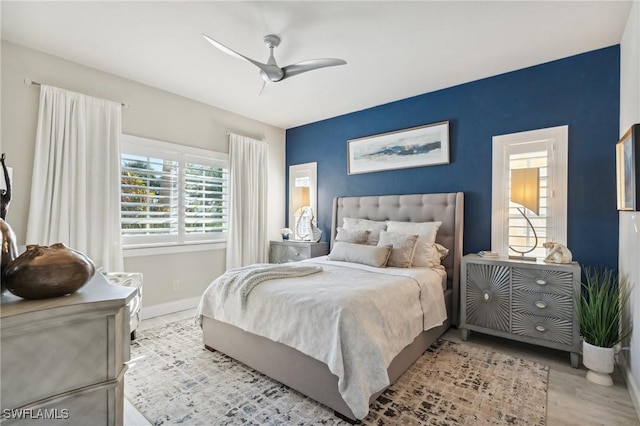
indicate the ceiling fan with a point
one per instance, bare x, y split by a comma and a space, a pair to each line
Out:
271, 72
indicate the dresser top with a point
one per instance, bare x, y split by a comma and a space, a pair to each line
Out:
538, 263
97, 293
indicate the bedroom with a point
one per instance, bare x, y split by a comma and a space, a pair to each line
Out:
477, 109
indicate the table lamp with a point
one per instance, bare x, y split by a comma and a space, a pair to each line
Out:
525, 190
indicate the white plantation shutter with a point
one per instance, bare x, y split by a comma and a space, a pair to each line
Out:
149, 198
172, 194
205, 203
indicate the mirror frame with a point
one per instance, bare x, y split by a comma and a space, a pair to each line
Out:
303, 170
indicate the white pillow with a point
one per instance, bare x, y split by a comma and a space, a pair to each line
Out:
425, 255
371, 225
434, 255
359, 253
404, 246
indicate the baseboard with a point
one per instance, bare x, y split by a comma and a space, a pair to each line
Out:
168, 308
632, 386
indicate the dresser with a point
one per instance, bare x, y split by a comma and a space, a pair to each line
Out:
530, 302
292, 251
63, 359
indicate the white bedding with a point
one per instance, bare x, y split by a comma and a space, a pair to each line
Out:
338, 315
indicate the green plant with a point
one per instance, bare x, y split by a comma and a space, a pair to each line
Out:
600, 307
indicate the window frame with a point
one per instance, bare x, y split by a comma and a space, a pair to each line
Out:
557, 138
180, 242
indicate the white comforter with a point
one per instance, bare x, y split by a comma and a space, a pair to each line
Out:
352, 317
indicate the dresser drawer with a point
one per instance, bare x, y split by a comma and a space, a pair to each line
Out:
81, 359
545, 328
543, 280
543, 304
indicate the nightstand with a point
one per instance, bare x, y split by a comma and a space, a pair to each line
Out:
530, 302
292, 251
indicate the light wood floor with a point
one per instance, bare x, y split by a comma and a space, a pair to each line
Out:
572, 400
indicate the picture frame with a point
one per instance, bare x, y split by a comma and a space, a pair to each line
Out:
627, 162
420, 146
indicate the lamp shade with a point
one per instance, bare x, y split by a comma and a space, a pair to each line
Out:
301, 198
525, 188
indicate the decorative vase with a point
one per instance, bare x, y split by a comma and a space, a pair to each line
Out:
316, 233
9, 251
42, 272
600, 363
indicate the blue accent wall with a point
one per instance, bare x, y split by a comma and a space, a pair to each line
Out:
581, 91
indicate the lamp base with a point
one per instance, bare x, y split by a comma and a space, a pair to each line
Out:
525, 258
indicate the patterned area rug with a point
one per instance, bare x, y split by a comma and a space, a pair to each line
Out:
180, 382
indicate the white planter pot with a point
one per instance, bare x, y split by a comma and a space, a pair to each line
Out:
600, 362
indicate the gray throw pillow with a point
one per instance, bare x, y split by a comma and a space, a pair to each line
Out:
359, 253
404, 246
355, 236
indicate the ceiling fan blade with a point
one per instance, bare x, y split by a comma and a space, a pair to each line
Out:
273, 72
312, 64
264, 84
235, 54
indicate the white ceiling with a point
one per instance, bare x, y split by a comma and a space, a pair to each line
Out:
394, 50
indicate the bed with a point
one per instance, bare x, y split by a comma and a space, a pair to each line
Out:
313, 377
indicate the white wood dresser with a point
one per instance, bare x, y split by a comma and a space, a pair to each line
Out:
63, 359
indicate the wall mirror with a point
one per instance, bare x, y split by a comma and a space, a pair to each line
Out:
303, 200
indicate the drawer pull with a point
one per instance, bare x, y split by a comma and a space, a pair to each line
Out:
540, 304
540, 281
540, 328
486, 296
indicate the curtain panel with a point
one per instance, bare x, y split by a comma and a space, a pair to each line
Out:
75, 192
248, 169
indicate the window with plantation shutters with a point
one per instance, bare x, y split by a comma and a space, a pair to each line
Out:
546, 150
172, 194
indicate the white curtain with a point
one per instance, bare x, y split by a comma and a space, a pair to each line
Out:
75, 192
248, 159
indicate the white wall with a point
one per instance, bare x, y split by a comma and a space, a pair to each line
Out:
630, 221
154, 114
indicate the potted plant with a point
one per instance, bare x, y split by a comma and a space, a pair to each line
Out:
600, 307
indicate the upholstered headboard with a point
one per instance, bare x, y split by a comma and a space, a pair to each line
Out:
447, 208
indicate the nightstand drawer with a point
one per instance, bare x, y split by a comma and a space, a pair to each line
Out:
543, 280
543, 304
545, 328
292, 251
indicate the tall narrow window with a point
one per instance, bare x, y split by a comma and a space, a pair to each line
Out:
546, 150
172, 194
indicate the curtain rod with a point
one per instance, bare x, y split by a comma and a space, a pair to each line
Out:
29, 82
260, 140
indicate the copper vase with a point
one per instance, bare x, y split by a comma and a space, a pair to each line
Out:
9, 251
42, 272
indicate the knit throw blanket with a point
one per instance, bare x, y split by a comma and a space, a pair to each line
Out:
239, 282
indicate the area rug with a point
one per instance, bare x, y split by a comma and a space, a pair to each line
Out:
453, 383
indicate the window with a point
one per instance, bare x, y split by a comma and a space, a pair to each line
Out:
545, 149
172, 194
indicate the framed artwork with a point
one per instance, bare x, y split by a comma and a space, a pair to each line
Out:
627, 162
415, 147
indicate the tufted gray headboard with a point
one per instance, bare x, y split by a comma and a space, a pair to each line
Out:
447, 207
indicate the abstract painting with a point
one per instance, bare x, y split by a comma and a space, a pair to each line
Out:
415, 147
627, 157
